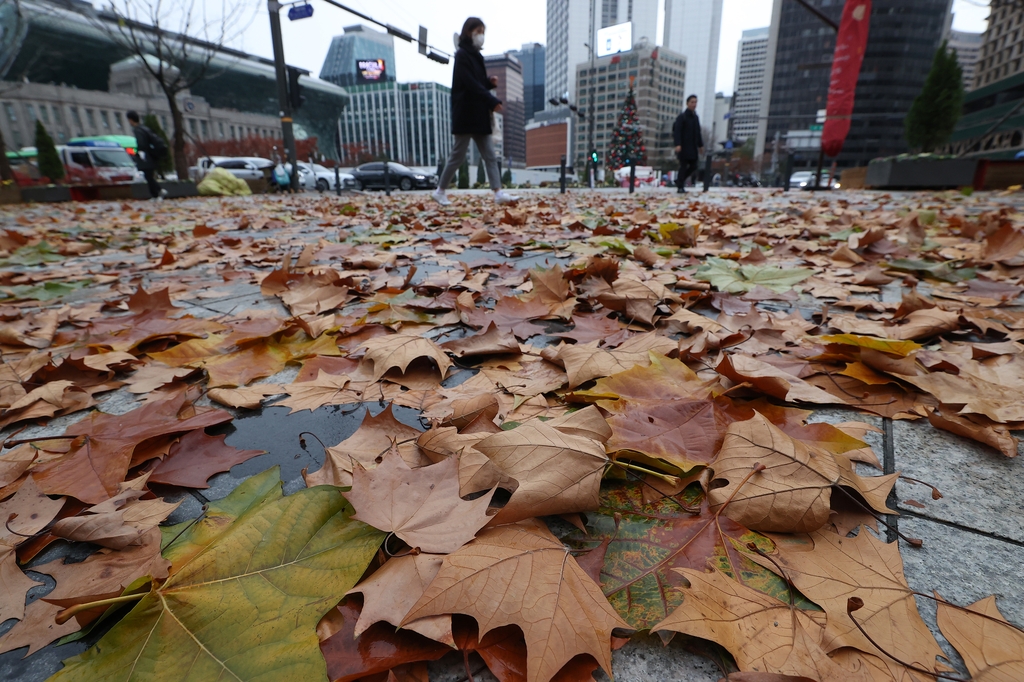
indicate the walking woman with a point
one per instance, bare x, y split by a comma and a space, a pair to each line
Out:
472, 106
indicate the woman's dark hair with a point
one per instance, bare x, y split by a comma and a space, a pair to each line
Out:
691, 97
472, 24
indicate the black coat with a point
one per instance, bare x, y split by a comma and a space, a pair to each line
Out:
146, 159
686, 134
472, 101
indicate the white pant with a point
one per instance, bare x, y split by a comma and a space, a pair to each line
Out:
485, 146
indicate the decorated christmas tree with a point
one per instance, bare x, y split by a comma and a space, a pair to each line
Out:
627, 144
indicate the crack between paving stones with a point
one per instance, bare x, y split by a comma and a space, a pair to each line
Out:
960, 526
889, 467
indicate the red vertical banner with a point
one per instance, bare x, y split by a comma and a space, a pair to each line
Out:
850, 45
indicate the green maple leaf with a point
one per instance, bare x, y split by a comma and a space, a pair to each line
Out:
724, 275
247, 587
42, 292
34, 254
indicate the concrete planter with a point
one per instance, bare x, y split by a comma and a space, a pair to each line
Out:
46, 193
921, 174
10, 194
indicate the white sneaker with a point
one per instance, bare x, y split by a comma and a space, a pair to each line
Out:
440, 197
500, 197
163, 193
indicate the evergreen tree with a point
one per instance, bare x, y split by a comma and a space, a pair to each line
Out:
627, 144
49, 160
506, 178
166, 164
463, 182
481, 179
936, 110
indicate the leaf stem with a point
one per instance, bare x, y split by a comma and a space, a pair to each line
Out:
671, 480
66, 615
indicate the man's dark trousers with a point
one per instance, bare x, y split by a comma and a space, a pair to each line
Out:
687, 167
154, 188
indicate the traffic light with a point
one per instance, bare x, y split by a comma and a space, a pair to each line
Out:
593, 156
295, 96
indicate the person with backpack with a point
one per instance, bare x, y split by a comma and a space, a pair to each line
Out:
149, 149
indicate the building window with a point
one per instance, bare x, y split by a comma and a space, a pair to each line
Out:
202, 125
56, 116
11, 115
90, 118
117, 120
105, 119
232, 132
44, 113
220, 126
192, 127
76, 119
31, 113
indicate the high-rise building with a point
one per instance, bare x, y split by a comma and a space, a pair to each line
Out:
531, 56
572, 27
657, 75
902, 40
720, 123
409, 122
1002, 44
360, 56
968, 49
751, 59
692, 29
509, 72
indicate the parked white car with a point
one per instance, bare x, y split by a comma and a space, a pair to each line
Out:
805, 180
244, 167
321, 178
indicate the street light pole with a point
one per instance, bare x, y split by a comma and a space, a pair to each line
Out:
592, 175
287, 133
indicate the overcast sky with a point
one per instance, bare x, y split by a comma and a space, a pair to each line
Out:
509, 25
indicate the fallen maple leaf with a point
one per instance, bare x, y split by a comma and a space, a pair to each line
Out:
196, 457
557, 471
489, 342
992, 649
398, 351
834, 568
490, 578
272, 573
21, 516
767, 481
421, 506
326, 389
585, 361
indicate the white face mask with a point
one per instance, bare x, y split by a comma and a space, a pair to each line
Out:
478, 40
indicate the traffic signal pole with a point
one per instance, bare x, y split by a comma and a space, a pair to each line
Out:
287, 132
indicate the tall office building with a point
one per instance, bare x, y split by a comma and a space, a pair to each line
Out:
360, 56
902, 40
531, 56
968, 49
509, 72
751, 59
658, 75
409, 122
573, 25
1002, 44
692, 28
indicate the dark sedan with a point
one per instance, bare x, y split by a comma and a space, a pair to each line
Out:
371, 175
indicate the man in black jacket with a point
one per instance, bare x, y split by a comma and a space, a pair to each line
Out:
146, 152
688, 141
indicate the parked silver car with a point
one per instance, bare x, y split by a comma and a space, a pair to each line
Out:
321, 178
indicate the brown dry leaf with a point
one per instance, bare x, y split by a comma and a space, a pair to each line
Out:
924, 324
976, 427
636, 300
326, 389
394, 588
490, 342
105, 361
557, 464
421, 506
398, 351
772, 381
790, 495
832, 568
762, 633
374, 437
489, 579
585, 361
552, 289
196, 457
249, 397
24, 514
154, 375
992, 652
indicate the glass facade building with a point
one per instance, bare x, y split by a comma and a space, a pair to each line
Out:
408, 122
358, 44
902, 40
531, 56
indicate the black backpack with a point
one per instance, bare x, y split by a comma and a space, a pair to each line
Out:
157, 146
